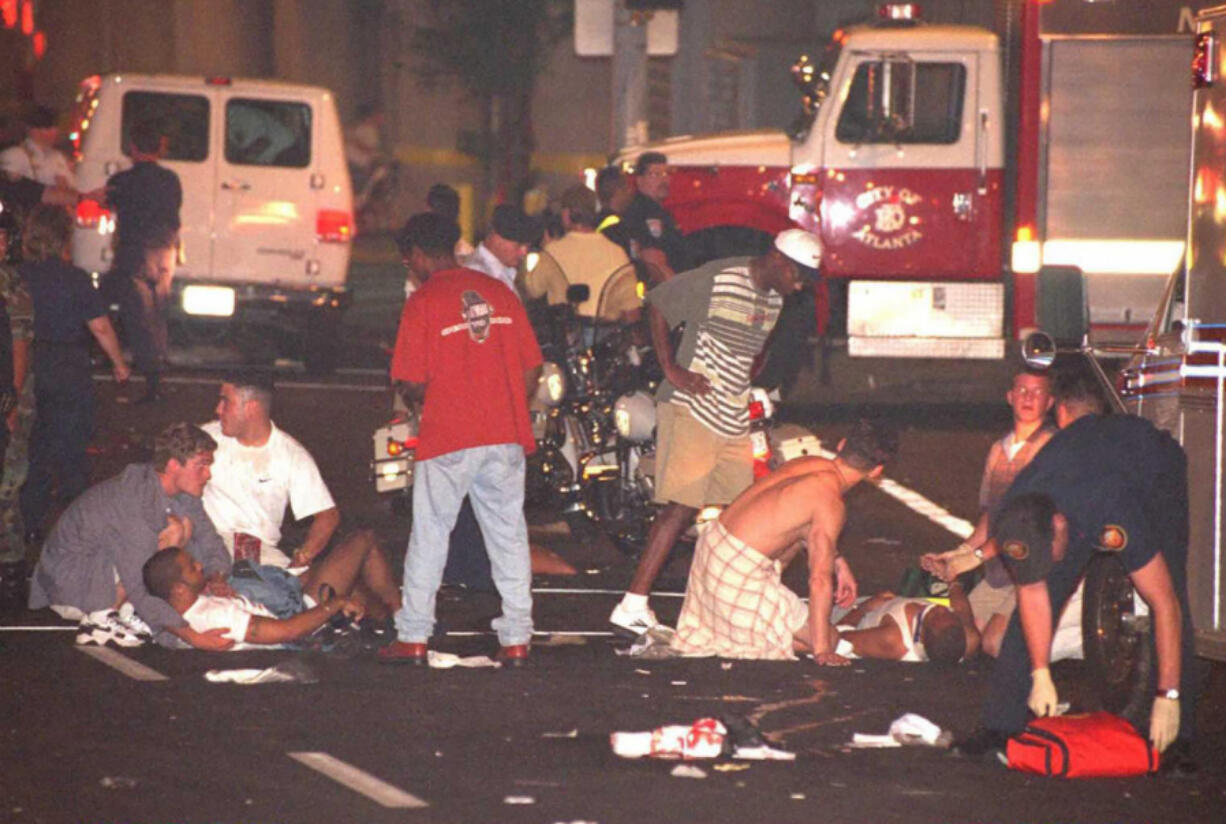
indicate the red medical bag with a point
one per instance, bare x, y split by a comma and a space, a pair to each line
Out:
1081, 746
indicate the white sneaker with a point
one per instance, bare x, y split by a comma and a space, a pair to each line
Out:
633, 622
136, 624
104, 627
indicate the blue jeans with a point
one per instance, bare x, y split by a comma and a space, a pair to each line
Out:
493, 478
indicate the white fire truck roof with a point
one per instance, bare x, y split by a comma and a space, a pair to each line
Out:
920, 38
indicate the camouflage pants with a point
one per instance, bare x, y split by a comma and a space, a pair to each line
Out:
16, 465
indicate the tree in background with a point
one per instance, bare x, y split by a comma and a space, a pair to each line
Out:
495, 50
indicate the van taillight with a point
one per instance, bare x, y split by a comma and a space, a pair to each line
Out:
333, 226
90, 213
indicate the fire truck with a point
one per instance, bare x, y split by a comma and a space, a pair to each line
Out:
957, 174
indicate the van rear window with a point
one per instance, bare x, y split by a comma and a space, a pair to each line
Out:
268, 133
183, 118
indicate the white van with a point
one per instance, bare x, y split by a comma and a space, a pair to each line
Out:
267, 205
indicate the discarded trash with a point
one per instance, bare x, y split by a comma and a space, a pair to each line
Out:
568, 734
678, 683
447, 660
726, 665
797, 796
906, 730
688, 771
916, 730
519, 799
730, 767
292, 670
702, 739
560, 640
642, 672
117, 782
706, 738
654, 644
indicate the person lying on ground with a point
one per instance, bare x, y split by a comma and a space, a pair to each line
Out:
909, 629
173, 575
736, 605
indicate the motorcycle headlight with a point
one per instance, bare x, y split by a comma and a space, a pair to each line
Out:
552, 385
634, 416
621, 419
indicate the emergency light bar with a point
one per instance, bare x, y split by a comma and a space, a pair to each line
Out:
900, 12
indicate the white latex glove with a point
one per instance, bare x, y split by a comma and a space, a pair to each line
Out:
1042, 701
1164, 722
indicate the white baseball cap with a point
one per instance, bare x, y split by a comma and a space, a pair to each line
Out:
803, 247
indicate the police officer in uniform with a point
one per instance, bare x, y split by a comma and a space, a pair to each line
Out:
652, 229
1102, 483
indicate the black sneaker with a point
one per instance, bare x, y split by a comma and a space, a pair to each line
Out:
982, 744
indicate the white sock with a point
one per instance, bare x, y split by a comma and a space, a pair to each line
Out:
633, 602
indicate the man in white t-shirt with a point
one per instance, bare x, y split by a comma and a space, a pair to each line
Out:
175, 576
258, 470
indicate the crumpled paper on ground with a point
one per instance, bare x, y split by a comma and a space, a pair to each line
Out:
285, 671
908, 729
656, 644
447, 660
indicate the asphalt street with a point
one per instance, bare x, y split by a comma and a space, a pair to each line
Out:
142, 736
84, 741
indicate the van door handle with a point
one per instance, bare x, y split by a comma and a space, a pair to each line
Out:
237, 186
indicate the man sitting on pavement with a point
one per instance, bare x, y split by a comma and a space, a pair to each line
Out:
909, 629
703, 451
173, 575
585, 256
736, 605
91, 562
258, 471
994, 598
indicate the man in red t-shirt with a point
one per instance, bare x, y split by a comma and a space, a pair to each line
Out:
466, 353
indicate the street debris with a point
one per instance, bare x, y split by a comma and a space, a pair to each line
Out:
732, 736
519, 799
654, 644
908, 729
447, 660
568, 734
292, 670
725, 665
117, 782
678, 683
688, 771
884, 541
728, 766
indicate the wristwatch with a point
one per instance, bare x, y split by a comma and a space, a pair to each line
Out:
1171, 694
978, 552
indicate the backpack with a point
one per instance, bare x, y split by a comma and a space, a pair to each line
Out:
1093, 745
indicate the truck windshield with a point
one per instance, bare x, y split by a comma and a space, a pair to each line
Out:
813, 79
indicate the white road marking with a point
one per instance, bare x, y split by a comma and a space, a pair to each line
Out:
917, 503
360, 781
38, 629
282, 383
130, 668
565, 591
545, 633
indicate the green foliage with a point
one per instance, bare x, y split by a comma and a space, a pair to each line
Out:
492, 48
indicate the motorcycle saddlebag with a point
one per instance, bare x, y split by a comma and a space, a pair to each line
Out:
1095, 745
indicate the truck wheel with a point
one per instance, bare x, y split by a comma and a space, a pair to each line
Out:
321, 341
726, 241
1118, 650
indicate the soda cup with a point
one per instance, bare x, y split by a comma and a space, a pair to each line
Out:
246, 548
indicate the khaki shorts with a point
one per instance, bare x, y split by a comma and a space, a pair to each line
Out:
695, 466
987, 601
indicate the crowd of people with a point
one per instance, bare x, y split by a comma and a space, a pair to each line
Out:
188, 549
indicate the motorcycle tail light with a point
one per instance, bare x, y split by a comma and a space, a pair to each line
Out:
91, 214
396, 448
757, 411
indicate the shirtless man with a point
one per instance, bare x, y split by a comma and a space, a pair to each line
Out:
735, 604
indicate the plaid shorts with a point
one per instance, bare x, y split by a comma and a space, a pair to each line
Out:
735, 604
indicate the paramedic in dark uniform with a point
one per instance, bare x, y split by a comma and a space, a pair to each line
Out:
1111, 483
